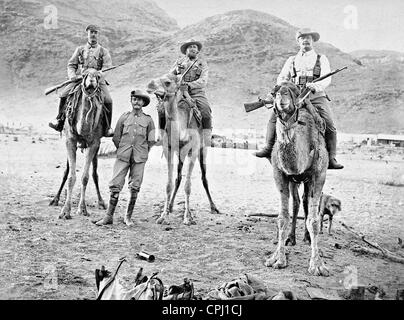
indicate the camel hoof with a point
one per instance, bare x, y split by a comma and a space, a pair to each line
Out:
65, 216
129, 223
317, 268
54, 202
189, 222
290, 240
83, 212
101, 205
214, 210
162, 221
276, 261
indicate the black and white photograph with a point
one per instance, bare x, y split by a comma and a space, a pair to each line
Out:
192, 150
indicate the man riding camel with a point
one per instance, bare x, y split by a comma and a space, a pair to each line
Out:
194, 82
91, 55
302, 69
133, 138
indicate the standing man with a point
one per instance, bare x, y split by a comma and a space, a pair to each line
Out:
133, 138
195, 82
91, 55
302, 69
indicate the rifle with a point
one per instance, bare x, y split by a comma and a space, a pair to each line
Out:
307, 91
79, 78
256, 105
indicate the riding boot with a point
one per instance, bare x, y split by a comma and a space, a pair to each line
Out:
331, 142
266, 152
108, 130
131, 205
162, 126
60, 119
108, 219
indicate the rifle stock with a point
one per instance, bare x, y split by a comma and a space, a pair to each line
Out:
255, 105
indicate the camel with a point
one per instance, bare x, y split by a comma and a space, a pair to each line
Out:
83, 129
183, 139
299, 156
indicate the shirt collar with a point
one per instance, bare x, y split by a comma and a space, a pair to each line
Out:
140, 113
88, 45
307, 54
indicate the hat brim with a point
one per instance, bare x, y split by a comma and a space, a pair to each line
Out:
146, 99
315, 35
187, 44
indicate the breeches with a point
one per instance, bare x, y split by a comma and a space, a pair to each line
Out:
121, 168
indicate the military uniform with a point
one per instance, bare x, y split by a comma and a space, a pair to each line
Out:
133, 138
88, 56
301, 69
196, 79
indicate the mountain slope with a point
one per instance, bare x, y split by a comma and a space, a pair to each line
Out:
245, 50
33, 55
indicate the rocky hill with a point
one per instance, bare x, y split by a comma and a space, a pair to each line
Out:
33, 54
245, 51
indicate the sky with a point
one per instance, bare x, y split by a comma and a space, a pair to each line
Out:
347, 24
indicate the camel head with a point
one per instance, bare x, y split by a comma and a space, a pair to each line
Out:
90, 107
286, 100
165, 86
91, 79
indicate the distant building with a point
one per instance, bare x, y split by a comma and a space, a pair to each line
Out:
392, 140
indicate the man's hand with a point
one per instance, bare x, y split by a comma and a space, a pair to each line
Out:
269, 100
314, 87
74, 78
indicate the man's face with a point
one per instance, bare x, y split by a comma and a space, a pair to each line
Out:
137, 103
192, 51
305, 42
92, 36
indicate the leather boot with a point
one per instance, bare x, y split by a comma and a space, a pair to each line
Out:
266, 152
108, 130
108, 219
331, 142
60, 119
162, 126
131, 205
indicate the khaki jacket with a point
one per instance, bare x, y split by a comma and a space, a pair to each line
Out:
134, 136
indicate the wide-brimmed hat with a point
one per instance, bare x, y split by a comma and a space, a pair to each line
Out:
141, 94
92, 27
307, 31
186, 44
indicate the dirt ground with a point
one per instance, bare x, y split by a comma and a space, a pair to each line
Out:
43, 257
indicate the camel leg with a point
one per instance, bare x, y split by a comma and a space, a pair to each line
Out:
294, 191
316, 266
90, 154
188, 220
306, 238
177, 184
101, 203
55, 200
169, 187
71, 147
202, 161
278, 258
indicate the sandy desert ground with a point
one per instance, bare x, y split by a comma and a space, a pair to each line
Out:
43, 257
